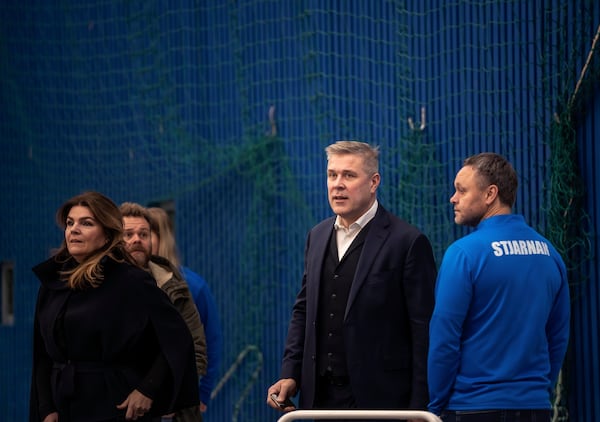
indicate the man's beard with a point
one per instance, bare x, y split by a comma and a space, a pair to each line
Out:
141, 256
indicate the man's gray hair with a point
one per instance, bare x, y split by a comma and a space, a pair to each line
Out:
369, 153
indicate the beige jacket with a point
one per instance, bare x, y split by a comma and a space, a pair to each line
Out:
172, 283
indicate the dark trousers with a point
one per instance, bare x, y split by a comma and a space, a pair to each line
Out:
507, 415
335, 393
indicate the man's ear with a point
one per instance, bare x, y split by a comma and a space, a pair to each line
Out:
375, 180
491, 194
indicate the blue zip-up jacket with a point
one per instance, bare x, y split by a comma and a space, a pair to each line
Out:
500, 325
207, 309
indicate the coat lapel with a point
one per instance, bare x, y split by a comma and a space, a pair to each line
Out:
319, 244
373, 242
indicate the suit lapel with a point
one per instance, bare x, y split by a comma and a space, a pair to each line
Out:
316, 255
373, 243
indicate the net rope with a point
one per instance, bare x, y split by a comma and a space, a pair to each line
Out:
226, 107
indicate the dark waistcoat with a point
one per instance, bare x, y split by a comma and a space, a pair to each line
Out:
336, 280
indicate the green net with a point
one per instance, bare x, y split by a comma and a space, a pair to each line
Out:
225, 107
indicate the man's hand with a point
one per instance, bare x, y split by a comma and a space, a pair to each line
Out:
284, 388
137, 405
52, 417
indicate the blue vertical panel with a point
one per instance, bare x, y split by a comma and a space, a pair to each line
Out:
584, 376
146, 100
513, 105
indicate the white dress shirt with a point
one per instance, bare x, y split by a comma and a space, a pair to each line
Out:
345, 235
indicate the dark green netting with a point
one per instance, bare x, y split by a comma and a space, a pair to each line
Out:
225, 107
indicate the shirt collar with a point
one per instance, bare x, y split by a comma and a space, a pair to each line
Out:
362, 221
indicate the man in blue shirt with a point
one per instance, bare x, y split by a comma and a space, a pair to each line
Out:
500, 325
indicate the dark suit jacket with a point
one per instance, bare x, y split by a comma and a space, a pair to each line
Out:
386, 323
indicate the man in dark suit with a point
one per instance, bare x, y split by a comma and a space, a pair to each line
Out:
358, 335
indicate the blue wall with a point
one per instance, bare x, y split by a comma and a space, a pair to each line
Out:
146, 102
585, 367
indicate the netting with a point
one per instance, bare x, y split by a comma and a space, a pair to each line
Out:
568, 223
225, 107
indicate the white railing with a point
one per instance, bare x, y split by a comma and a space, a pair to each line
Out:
360, 414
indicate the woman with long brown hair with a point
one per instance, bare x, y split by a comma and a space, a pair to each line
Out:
108, 344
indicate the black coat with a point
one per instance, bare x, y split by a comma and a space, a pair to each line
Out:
92, 347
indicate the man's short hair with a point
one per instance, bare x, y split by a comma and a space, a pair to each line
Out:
132, 209
369, 153
494, 169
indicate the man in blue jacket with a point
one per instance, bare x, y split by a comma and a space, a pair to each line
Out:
500, 325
